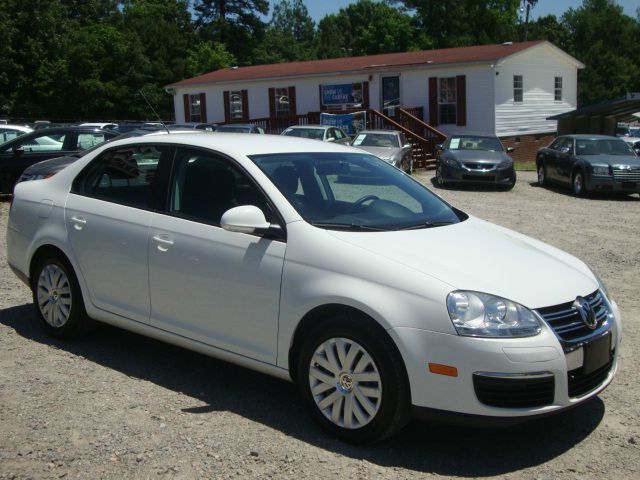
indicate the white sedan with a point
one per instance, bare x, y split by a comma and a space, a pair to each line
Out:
320, 264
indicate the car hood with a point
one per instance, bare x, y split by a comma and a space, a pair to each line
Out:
480, 156
479, 256
613, 160
50, 166
382, 152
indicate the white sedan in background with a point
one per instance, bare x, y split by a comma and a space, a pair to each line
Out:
320, 264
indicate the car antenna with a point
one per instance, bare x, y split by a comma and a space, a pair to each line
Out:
153, 110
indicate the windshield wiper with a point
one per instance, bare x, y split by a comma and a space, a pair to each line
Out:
348, 226
425, 225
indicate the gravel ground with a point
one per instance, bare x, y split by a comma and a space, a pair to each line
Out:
117, 405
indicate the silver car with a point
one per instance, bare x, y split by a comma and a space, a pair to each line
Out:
325, 133
389, 145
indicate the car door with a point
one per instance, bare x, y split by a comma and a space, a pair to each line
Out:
551, 158
107, 215
566, 160
218, 287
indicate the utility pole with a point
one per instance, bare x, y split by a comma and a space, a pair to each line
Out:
527, 5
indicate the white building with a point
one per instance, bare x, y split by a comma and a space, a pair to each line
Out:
508, 89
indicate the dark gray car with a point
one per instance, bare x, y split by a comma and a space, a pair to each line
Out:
389, 145
476, 159
589, 163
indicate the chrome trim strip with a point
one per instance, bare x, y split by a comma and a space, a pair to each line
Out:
514, 375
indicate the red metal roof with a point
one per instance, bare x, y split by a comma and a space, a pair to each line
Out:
481, 53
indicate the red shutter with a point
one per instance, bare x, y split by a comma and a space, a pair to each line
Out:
461, 96
187, 116
292, 102
245, 106
272, 103
320, 97
203, 108
433, 101
365, 95
227, 107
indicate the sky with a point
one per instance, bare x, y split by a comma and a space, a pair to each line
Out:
319, 8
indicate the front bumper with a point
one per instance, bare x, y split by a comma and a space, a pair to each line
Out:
477, 176
540, 361
614, 185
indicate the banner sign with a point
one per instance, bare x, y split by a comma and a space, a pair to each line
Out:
351, 123
344, 94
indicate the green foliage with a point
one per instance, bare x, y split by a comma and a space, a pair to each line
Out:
206, 57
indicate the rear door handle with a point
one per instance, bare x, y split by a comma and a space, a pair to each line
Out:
163, 241
78, 222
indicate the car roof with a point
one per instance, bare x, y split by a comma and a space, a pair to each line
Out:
380, 131
239, 144
588, 136
72, 128
22, 128
473, 134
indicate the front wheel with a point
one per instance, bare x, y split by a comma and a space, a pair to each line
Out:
58, 299
542, 175
353, 381
439, 178
578, 184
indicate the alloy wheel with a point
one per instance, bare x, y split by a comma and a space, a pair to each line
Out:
345, 383
54, 295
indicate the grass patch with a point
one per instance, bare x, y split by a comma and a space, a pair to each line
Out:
525, 166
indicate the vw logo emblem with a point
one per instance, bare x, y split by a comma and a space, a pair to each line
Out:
586, 313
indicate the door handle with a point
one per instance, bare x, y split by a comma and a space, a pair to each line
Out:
163, 242
78, 222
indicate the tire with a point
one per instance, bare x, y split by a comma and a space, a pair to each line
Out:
577, 184
58, 299
542, 174
360, 395
439, 180
409, 169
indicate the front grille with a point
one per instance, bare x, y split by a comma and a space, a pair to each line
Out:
627, 175
565, 320
514, 392
580, 384
479, 166
479, 178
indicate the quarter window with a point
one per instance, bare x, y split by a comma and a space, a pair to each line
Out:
447, 100
518, 88
557, 89
125, 176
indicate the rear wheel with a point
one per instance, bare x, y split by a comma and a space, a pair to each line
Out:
353, 380
58, 298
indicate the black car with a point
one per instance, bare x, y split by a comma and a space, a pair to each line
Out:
21, 152
589, 163
478, 159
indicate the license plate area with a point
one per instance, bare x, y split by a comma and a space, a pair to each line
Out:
596, 354
629, 185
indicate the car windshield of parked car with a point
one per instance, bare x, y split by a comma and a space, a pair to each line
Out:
376, 140
352, 191
613, 146
475, 143
313, 133
233, 129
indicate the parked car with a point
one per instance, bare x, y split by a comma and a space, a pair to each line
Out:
633, 141
209, 127
48, 168
273, 253
478, 159
103, 125
325, 133
9, 132
389, 145
589, 163
21, 152
239, 128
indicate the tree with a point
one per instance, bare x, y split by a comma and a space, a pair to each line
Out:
366, 28
290, 35
456, 23
207, 57
233, 23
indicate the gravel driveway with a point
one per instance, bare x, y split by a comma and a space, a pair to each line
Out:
117, 405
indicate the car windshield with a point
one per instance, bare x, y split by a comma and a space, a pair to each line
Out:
233, 129
352, 191
475, 143
376, 140
634, 132
313, 133
606, 146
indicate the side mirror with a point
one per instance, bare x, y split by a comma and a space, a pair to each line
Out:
565, 149
244, 219
19, 150
439, 146
407, 146
510, 149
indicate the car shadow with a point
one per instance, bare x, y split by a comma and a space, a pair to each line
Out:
422, 447
617, 197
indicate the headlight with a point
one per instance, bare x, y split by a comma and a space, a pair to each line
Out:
391, 160
478, 314
604, 171
603, 289
506, 163
450, 161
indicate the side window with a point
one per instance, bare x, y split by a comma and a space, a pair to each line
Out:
88, 140
331, 133
125, 176
555, 145
44, 143
7, 134
204, 185
567, 145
